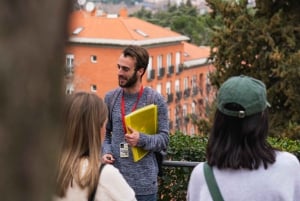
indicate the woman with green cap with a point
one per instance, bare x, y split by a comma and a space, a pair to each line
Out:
241, 164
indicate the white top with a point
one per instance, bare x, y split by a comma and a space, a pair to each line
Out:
280, 182
111, 187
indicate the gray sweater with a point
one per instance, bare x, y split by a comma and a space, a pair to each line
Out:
141, 175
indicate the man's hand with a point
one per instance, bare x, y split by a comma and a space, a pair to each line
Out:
132, 137
108, 158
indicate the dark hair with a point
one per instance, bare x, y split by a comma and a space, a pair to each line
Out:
239, 142
140, 54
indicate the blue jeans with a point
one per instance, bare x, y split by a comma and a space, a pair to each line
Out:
151, 197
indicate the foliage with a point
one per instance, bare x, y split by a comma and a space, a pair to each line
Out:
184, 19
203, 125
262, 42
174, 183
286, 144
182, 148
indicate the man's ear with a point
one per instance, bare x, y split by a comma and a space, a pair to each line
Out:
141, 71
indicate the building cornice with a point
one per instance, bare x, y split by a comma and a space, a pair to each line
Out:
196, 62
127, 42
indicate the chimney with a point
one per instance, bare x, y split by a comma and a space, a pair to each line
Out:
123, 12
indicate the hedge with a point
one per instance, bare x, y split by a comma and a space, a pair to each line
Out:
173, 184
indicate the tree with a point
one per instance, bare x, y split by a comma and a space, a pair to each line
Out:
33, 35
262, 42
184, 19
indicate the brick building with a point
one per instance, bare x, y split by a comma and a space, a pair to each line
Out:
177, 69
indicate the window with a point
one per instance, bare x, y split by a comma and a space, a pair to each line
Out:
177, 122
158, 88
69, 64
201, 83
177, 61
184, 110
93, 88
194, 81
168, 87
186, 83
159, 64
193, 108
177, 85
77, 30
149, 68
169, 59
141, 32
69, 88
208, 85
94, 59
192, 130
70, 60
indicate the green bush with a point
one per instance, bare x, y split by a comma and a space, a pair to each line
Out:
173, 184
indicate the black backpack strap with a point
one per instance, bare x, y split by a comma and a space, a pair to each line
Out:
159, 155
112, 100
92, 196
211, 183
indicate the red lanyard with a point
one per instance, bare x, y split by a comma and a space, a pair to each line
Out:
133, 108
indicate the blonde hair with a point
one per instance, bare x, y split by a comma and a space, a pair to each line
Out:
85, 114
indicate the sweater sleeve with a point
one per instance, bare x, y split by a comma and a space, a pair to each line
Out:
160, 140
113, 187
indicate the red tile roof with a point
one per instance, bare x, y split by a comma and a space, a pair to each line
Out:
195, 55
112, 29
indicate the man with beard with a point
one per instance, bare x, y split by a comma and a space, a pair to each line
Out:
131, 95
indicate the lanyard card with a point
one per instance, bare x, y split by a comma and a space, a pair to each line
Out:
124, 150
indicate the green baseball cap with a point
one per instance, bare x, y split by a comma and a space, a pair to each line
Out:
246, 91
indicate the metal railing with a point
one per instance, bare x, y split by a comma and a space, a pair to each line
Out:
168, 163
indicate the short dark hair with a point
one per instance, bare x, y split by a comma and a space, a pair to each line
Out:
140, 54
239, 142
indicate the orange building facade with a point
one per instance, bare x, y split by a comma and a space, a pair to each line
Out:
178, 70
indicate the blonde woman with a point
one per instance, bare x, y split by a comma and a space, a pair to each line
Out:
79, 175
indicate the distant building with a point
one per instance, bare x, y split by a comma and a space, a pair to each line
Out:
178, 70
155, 5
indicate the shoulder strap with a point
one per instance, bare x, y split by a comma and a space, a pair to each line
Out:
150, 96
113, 100
211, 183
92, 197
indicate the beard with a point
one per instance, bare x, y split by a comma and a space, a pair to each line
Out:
128, 82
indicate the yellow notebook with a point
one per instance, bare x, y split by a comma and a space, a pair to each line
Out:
143, 120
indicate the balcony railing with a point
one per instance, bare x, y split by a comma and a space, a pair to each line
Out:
195, 91
170, 70
187, 92
170, 98
69, 70
178, 96
186, 119
179, 68
151, 74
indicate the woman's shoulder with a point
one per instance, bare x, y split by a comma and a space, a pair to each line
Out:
198, 170
112, 185
287, 158
109, 170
